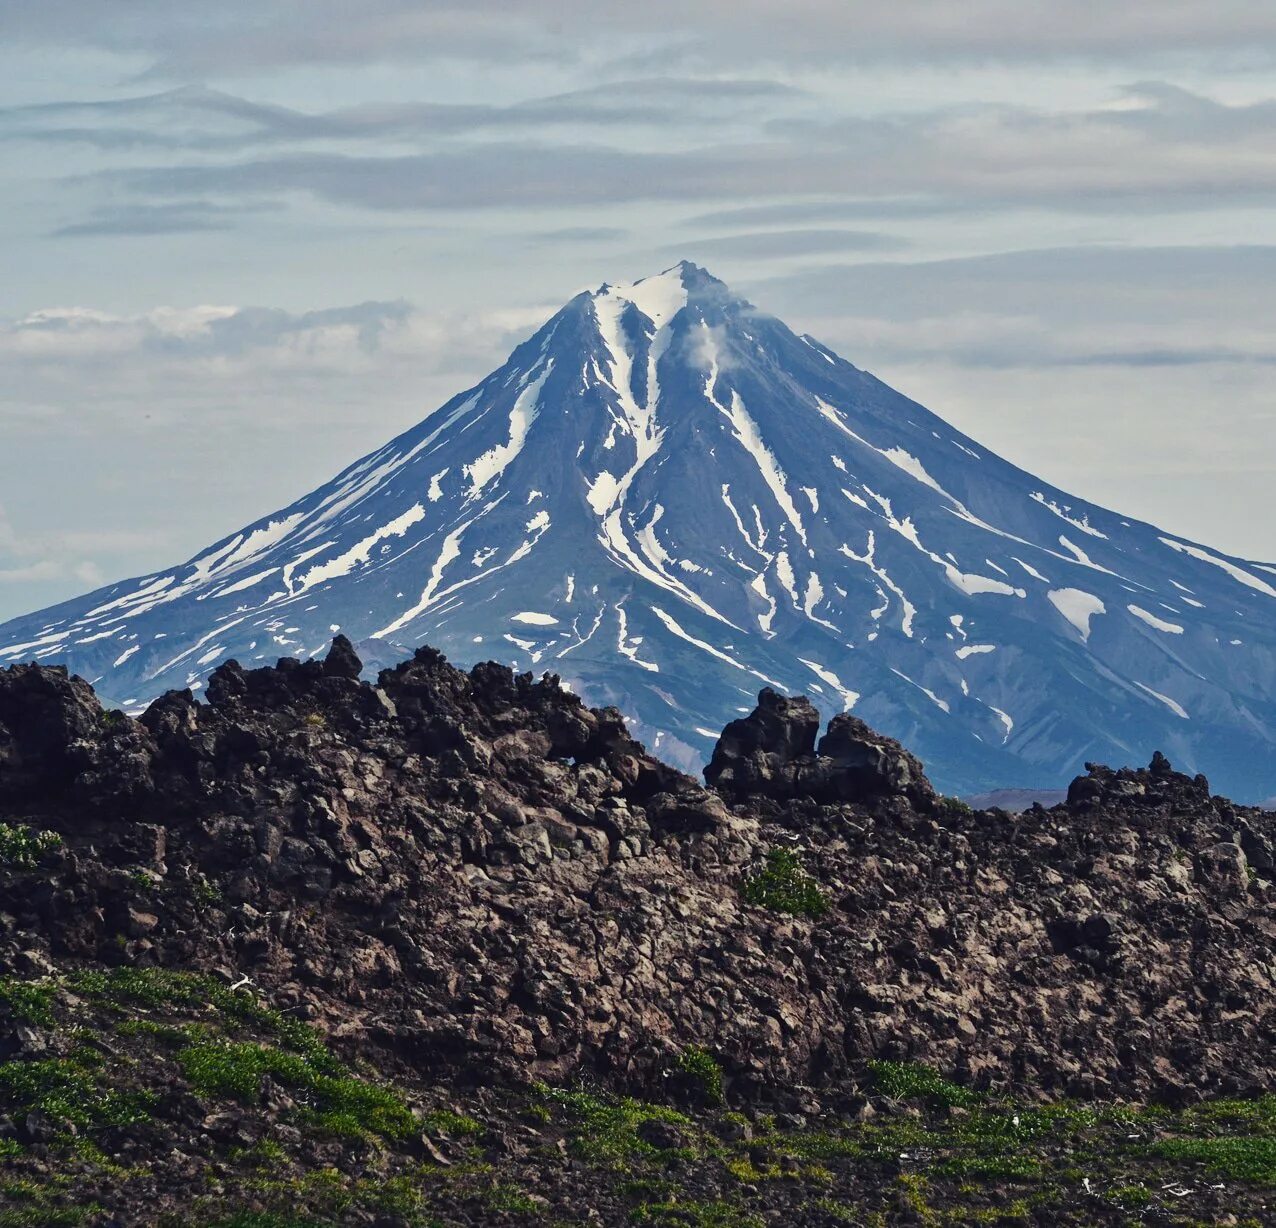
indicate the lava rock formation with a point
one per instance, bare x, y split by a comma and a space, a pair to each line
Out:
474, 872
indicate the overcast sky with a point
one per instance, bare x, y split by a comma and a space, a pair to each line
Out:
244, 243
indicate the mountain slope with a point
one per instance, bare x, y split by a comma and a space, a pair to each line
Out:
671, 499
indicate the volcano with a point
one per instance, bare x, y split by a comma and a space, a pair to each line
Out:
670, 500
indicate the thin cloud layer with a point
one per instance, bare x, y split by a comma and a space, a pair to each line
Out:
237, 35
211, 121
1025, 219
1156, 148
179, 422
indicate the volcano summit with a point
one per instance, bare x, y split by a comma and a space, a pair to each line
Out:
670, 499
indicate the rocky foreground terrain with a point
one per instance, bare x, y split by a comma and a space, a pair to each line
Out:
454, 949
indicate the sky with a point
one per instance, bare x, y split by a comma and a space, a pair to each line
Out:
245, 243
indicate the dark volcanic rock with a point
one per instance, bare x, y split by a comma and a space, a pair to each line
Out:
342, 661
760, 753
772, 753
856, 762
476, 874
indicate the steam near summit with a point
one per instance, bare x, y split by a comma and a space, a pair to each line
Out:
671, 500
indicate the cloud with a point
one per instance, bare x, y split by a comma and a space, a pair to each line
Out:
177, 421
185, 374
1136, 155
1044, 311
1139, 379
162, 219
784, 213
1217, 292
579, 234
197, 118
196, 333
240, 36
770, 244
71, 557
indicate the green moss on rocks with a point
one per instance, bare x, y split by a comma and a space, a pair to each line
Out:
913, 1081
783, 886
23, 848
703, 1071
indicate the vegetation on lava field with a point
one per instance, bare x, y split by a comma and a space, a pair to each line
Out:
169, 1098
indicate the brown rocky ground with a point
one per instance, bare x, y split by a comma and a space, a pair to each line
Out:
455, 949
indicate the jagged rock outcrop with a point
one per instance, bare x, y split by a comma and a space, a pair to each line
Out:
476, 873
760, 753
772, 753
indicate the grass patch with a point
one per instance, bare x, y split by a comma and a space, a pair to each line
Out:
45, 1217
262, 1219
953, 1156
158, 988
914, 1081
1132, 1197
510, 1198
1258, 1114
702, 1069
29, 1001
1241, 1159
23, 848
991, 1168
72, 1090
1229, 1138
605, 1128
339, 1104
744, 1168
69, 1090
712, 1214
455, 1125
783, 886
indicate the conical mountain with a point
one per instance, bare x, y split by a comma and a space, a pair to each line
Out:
670, 499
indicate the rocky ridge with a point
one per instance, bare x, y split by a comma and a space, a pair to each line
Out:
477, 865
473, 877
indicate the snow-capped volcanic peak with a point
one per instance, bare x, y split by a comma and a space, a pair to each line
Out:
669, 498
659, 298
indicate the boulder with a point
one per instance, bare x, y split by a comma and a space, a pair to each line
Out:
760, 753
342, 661
772, 752
856, 763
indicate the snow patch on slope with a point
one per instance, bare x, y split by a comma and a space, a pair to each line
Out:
492, 463
672, 625
359, 554
849, 698
1173, 705
1152, 621
1239, 574
1078, 607
659, 298
1082, 523
750, 438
